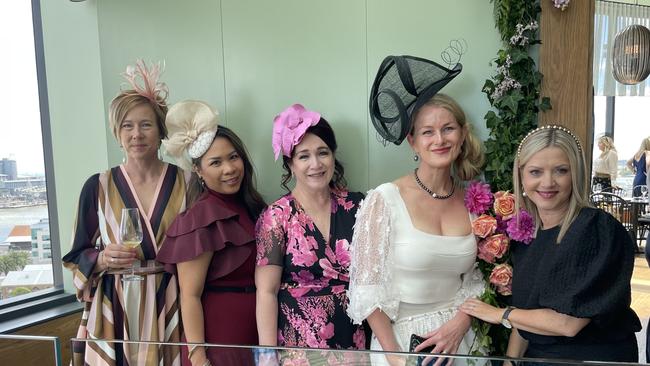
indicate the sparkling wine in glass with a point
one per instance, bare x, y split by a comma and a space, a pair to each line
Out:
131, 235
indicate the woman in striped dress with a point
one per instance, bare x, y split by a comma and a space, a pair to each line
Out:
144, 310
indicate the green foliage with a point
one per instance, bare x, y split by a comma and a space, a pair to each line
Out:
515, 109
13, 261
19, 291
514, 93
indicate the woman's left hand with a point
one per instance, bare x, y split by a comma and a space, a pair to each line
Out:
447, 338
481, 310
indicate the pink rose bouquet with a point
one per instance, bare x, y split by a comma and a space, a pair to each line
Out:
496, 224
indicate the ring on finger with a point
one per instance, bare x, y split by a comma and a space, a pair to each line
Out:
112, 259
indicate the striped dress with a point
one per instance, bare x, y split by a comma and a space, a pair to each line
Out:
138, 310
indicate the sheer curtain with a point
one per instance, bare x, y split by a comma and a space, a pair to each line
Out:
611, 19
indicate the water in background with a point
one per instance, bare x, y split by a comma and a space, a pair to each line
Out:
9, 217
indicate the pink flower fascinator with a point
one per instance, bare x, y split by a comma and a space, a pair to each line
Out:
290, 126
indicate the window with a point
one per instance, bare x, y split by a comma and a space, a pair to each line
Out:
630, 127
27, 204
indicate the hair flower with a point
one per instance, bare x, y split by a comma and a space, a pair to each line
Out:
290, 126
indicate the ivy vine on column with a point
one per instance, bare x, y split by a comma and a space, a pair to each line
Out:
514, 91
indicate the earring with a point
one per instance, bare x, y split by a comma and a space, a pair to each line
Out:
523, 193
123, 155
416, 157
160, 157
202, 182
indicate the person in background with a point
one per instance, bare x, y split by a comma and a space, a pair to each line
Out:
303, 241
639, 165
606, 164
144, 310
211, 246
571, 290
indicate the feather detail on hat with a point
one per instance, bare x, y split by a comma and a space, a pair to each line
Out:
149, 87
191, 127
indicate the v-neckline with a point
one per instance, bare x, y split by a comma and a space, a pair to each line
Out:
317, 229
154, 200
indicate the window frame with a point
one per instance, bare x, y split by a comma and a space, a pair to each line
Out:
46, 299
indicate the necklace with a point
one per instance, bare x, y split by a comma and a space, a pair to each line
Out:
432, 193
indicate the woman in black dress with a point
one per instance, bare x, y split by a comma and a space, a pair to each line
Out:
571, 285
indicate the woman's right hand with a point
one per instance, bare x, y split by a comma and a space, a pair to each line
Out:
118, 256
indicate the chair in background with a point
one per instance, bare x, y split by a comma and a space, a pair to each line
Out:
619, 208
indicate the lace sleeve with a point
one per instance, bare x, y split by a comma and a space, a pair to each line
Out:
371, 285
473, 285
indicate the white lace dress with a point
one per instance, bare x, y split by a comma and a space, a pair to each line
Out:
417, 279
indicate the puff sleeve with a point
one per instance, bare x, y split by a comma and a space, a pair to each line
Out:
371, 284
591, 278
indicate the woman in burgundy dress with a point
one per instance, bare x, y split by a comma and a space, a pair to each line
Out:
212, 245
303, 242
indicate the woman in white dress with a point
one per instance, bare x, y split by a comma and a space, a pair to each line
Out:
414, 254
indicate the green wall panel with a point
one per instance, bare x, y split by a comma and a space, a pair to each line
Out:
185, 35
283, 52
425, 29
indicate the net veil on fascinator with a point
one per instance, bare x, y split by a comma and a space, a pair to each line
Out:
191, 126
403, 84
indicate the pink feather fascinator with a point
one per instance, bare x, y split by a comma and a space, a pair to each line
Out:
145, 81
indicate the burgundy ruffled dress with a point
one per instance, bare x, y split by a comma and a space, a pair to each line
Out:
219, 223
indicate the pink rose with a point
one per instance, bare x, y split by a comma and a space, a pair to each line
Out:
505, 290
484, 226
493, 247
290, 126
501, 276
504, 204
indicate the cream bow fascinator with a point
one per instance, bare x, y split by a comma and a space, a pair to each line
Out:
191, 127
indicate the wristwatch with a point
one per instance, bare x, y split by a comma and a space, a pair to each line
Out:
504, 318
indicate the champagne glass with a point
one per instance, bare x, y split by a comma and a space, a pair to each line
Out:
131, 235
644, 192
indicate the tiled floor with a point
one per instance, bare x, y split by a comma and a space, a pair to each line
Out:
641, 299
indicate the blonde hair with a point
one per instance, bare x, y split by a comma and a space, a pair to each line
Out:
125, 101
608, 144
469, 162
645, 146
561, 138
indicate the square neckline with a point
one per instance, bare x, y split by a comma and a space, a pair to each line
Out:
412, 225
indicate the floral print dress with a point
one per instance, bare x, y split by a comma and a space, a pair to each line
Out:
312, 300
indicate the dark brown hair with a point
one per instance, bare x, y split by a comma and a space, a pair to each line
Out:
247, 191
325, 132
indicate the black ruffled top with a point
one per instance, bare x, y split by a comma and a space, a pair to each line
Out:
217, 223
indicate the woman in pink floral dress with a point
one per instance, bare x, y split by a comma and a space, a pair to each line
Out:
303, 242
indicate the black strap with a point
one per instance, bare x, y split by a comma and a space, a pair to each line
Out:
245, 289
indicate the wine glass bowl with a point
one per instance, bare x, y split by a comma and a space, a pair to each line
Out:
131, 236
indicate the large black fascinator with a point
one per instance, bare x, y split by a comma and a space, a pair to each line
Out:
402, 85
